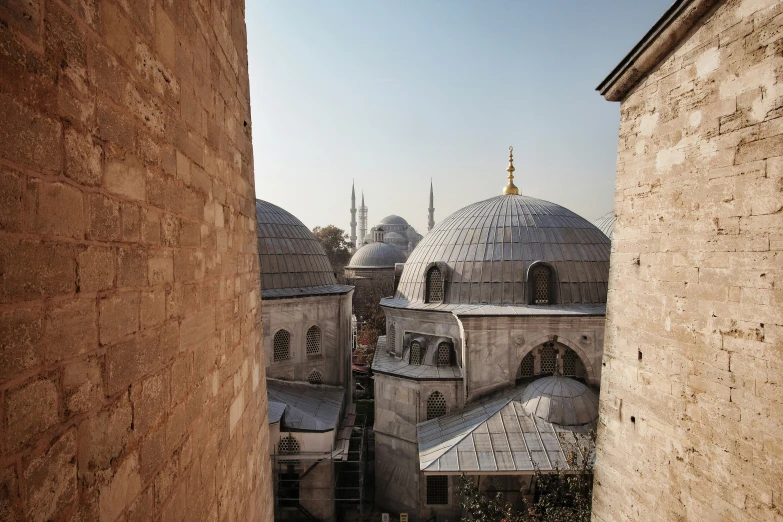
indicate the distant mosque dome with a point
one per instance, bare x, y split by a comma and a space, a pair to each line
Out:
605, 223
377, 255
393, 220
290, 255
487, 249
561, 400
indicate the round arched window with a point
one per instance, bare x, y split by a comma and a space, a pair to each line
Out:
436, 405
526, 366
444, 354
434, 285
281, 346
313, 341
415, 353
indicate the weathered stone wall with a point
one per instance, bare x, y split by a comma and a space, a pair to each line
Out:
131, 370
691, 409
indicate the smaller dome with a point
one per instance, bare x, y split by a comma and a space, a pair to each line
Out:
394, 236
393, 220
377, 255
561, 400
605, 223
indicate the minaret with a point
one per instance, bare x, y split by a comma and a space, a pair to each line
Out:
353, 218
362, 221
431, 220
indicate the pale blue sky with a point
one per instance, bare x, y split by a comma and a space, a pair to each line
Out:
394, 93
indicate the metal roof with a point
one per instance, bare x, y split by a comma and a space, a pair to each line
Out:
276, 411
377, 255
383, 362
393, 220
561, 400
289, 254
305, 291
309, 407
497, 436
605, 223
463, 310
488, 247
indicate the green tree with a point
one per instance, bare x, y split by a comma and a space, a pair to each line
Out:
560, 495
335, 242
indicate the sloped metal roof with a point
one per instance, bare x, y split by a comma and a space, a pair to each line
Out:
305, 291
561, 400
289, 254
489, 246
382, 362
463, 310
377, 255
276, 411
309, 407
497, 435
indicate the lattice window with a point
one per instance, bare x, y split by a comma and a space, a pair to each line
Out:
526, 366
288, 446
434, 285
444, 354
569, 363
541, 277
281, 346
390, 338
415, 353
313, 340
548, 356
315, 377
436, 405
438, 489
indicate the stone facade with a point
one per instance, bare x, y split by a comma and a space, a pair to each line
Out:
691, 411
131, 367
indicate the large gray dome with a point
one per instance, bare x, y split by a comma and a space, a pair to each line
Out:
290, 255
561, 400
488, 247
377, 255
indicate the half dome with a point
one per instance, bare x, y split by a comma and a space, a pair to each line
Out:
377, 255
290, 255
561, 400
489, 247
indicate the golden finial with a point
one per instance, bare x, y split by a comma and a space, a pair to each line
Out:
510, 188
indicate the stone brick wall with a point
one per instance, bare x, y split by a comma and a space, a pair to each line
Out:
131, 371
692, 388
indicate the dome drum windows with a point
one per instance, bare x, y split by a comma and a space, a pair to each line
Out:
281, 346
313, 341
444, 354
415, 352
435, 284
542, 284
550, 358
436, 405
315, 377
527, 365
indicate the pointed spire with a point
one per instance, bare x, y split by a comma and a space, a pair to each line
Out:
431, 215
353, 192
510, 188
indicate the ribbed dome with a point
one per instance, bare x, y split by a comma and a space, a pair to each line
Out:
605, 223
290, 255
393, 235
488, 247
393, 220
561, 400
377, 255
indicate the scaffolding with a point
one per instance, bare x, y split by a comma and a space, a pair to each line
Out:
327, 486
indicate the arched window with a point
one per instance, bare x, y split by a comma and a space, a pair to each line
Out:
313, 341
569, 363
436, 405
315, 377
542, 282
415, 353
281, 346
288, 446
548, 356
444, 354
526, 366
434, 285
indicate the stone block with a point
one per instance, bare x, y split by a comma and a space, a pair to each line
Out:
29, 137
21, 349
55, 209
32, 269
153, 308
150, 227
104, 435
127, 177
131, 267
119, 316
50, 480
123, 488
131, 222
147, 351
83, 385
11, 206
70, 328
150, 401
31, 409
95, 269
160, 268
83, 158
104, 223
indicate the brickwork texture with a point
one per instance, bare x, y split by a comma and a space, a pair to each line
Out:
131, 370
692, 384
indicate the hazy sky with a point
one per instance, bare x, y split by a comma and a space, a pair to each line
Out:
392, 93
